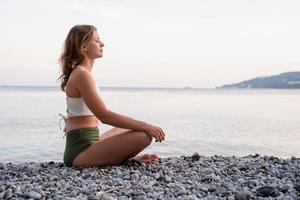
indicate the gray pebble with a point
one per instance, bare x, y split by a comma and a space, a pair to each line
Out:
8, 194
107, 197
241, 181
85, 190
204, 189
73, 193
254, 182
18, 192
214, 177
138, 193
140, 197
39, 190
221, 191
123, 198
2, 195
135, 177
168, 179
147, 188
243, 195
294, 196
3, 166
288, 198
297, 186
231, 198
34, 195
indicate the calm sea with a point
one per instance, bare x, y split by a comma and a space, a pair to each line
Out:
207, 121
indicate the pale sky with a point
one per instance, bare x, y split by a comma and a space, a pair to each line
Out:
157, 43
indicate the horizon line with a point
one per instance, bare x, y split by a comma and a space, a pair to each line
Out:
132, 87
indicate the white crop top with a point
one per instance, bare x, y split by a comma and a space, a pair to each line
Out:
77, 107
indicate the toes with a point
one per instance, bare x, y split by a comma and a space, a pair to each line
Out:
146, 156
154, 158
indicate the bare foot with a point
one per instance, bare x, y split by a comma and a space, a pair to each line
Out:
146, 158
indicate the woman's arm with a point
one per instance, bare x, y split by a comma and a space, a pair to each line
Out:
123, 121
88, 91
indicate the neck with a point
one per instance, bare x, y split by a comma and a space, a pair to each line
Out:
88, 64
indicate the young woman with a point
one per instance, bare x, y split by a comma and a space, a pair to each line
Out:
84, 147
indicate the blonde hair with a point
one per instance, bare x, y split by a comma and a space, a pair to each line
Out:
71, 55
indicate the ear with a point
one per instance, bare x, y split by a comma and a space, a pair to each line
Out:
83, 48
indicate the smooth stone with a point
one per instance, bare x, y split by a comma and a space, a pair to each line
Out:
123, 197
235, 178
7, 178
140, 197
34, 195
266, 191
221, 191
195, 157
243, 195
39, 190
107, 197
135, 177
180, 192
18, 192
127, 177
73, 194
54, 178
241, 180
232, 189
138, 193
187, 197
231, 198
168, 179
294, 196
2, 195
25, 194
297, 186
8, 194
204, 189
85, 190
3, 166
148, 188
154, 195
215, 178
254, 182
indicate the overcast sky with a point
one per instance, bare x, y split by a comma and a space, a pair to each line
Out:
157, 43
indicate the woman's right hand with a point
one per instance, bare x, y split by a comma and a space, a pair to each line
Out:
155, 132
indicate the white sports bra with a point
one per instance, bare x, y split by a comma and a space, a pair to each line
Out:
76, 106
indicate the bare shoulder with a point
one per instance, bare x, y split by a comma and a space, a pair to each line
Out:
79, 79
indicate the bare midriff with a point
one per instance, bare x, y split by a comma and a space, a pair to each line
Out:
74, 123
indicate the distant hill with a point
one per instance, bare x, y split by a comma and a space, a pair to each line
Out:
288, 80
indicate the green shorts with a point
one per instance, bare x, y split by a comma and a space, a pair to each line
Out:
77, 141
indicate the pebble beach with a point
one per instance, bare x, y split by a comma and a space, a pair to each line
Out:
185, 177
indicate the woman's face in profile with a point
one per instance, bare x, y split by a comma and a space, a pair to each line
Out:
94, 47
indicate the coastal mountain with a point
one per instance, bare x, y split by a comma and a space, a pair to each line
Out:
287, 80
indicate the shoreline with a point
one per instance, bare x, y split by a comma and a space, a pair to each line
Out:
184, 177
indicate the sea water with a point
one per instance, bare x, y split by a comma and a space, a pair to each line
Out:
208, 121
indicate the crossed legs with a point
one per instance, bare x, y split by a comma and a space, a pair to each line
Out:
115, 146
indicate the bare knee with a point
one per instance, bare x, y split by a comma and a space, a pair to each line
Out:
145, 138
